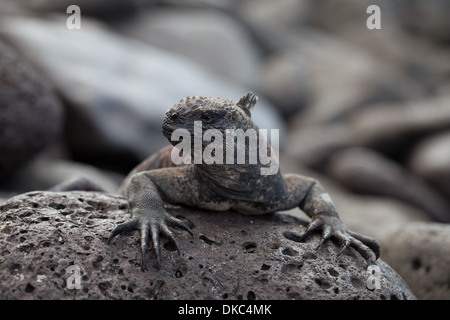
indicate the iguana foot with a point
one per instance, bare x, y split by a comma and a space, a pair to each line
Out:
333, 228
152, 225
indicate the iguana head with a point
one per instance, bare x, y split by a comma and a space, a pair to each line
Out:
213, 113
214, 132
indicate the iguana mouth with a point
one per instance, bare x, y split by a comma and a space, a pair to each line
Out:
167, 132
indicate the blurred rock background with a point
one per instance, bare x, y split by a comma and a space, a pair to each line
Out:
367, 112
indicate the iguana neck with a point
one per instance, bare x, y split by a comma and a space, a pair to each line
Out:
240, 181
230, 180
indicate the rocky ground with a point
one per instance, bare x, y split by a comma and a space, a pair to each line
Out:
231, 256
367, 112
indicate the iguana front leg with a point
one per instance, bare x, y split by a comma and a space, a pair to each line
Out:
308, 195
145, 192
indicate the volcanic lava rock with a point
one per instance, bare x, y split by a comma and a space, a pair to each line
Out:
420, 252
46, 238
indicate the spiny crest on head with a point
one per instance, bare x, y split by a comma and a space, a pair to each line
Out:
248, 102
199, 102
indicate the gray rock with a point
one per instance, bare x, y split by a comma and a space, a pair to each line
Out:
285, 81
10, 7
424, 18
366, 171
423, 65
118, 89
282, 14
374, 216
431, 160
283, 71
211, 38
102, 8
325, 51
313, 145
370, 215
420, 253
31, 115
331, 15
230, 257
341, 77
405, 42
391, 128
367, 214
42, 174
389, 125
428, 19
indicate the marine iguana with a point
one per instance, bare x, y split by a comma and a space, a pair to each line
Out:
238, 187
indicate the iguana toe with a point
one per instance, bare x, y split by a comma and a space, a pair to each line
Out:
127, 226
151, 228
332, 228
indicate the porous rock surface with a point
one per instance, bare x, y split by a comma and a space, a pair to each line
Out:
420, 252
231, 256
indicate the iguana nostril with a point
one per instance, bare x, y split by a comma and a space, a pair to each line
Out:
173, 116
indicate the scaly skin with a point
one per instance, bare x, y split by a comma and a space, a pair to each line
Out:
239, 187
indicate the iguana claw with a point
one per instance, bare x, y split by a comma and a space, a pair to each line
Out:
333, 228
153, 227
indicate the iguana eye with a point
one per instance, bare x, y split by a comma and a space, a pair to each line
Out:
206, 118
173, 116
